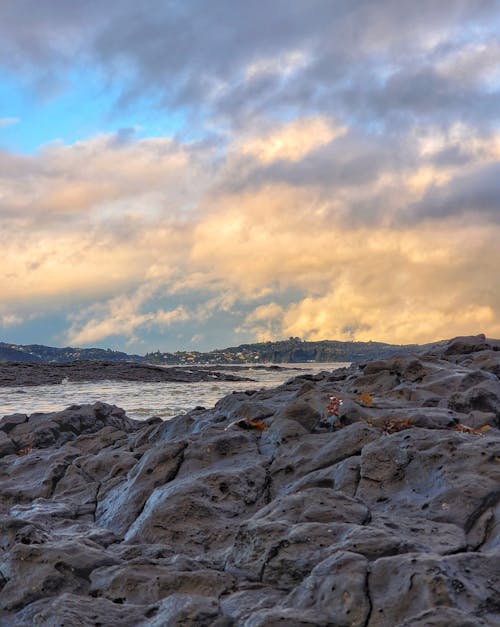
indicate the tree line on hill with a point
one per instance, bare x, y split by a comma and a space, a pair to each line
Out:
291, 350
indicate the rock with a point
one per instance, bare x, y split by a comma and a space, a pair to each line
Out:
188, 610
36, 571
412, 585
303, 412
387, 514
285, 616
22, 374
7, 446
301, 457
436, 474
74, 609
148, 583
269, 547
123, 503
249, 600
465, 345
7, 423
336, 591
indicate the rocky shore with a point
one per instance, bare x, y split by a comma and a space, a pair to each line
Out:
21, 374
367, 496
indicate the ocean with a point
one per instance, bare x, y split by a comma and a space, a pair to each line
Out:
144, 400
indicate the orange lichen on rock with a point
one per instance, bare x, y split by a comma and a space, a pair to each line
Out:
248, 423
365, 399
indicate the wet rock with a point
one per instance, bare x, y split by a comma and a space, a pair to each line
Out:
303, 412
249, 600
301, 457
123, 503
465, 345
199, 512
7, 423
22, 374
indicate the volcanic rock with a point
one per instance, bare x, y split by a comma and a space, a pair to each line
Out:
21, 374
265, 510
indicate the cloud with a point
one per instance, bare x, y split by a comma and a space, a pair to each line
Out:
159, 232
121, 316
475, 192
265, 322
99, 174
16, 318
93, 218
10, 319
290, 142
337, 175
420, 283
5, 122
355, 58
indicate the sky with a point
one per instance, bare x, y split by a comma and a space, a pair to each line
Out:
189, 175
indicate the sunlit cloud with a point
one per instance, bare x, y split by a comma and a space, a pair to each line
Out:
290, 142
121, 316
379, 281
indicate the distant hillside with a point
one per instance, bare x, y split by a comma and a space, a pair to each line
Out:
293, 350
36, 353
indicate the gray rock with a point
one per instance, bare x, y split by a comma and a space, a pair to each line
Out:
336, 590
43, 570
69, 609
7, 446
410, 585
387, 514
22, 374
148, 583
188, 610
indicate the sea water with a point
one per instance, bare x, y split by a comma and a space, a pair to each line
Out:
143, 400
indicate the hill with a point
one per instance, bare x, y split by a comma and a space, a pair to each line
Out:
292, 350
37, 353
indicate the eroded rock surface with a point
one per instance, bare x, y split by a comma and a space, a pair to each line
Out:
265, 510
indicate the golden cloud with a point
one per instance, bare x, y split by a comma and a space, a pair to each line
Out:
290, 142
154, 215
